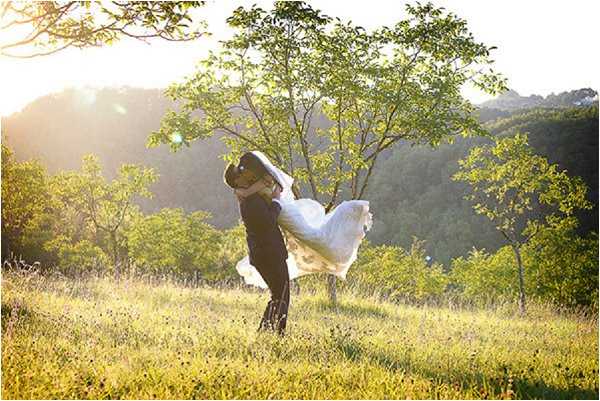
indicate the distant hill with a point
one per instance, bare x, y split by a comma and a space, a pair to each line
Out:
114, 123
511, 100
410, 191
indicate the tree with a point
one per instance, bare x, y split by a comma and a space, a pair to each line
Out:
563, 266
323, 98
108, 207
507, 180
76, 256
485, 278
32, 29
171, 241
24, 198
400, 274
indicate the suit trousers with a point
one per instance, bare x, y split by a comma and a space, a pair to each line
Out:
275, 273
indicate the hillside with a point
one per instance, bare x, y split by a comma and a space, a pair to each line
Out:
114, 124
102, 340
511, 100
428, 204
411, 192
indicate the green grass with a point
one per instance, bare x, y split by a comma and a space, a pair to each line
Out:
98, 339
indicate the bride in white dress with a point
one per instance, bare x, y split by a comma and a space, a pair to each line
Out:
316, 242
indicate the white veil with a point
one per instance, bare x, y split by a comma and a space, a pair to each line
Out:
282, 178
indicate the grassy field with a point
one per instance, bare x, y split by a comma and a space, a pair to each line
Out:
99, 339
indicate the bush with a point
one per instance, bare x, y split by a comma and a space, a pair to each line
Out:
559, 267
76, 258
562, 267
399, 274
172, 242
485, 278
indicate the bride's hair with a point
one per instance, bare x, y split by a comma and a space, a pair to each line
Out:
230, 175
251, 162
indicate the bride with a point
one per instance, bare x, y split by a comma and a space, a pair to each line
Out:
316, 241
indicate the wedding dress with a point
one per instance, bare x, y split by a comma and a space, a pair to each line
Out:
316, 241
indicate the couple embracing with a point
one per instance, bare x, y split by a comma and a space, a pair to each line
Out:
314, 242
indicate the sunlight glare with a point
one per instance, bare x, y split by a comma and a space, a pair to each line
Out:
176, 137
119, 109
86, 96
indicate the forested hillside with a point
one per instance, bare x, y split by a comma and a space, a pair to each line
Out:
512, 100
411, 191
429, 205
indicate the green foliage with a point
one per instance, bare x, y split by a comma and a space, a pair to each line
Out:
562, 268
399, 274
508, 179
25, 197
485, 278
58, 25
80, 257
267, 84
414, 196
107, 206
69, 217
232, 248
172, 242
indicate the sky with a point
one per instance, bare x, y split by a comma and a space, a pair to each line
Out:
543, 47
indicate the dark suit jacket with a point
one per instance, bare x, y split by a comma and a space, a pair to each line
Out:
265, 242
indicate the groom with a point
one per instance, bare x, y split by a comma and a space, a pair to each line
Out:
266, 246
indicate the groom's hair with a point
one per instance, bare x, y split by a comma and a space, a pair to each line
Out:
251, 162
230, 175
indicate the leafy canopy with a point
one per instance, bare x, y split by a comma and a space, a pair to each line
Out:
508, 179
323, 98
31, 29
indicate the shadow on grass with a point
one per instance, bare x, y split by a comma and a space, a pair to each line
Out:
13, 311
523, 388
538, 389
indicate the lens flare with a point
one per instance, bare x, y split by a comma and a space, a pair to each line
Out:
176, 137
86, 96
119, 109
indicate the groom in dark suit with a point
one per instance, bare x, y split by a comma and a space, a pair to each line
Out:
266, 246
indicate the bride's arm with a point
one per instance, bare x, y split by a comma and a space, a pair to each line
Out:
257, 186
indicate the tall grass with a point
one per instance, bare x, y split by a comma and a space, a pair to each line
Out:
64, 338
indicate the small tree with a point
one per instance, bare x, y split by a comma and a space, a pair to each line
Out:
401, 274
106, 206
25, 194
31, 29
323, 98
562, 266
508, 181
172, 242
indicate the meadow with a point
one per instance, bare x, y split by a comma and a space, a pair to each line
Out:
100, 339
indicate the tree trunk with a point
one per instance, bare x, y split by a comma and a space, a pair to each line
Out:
113, 238
331, 281
521, 283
